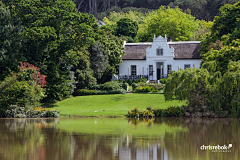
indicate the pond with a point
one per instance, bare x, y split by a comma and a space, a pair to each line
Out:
120, 139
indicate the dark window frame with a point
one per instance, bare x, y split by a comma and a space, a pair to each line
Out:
159, 52
133, 70
187, 66
169, 71
150, 71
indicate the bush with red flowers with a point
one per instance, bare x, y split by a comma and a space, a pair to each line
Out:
24, 88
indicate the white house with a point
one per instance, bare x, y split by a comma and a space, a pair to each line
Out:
158, 59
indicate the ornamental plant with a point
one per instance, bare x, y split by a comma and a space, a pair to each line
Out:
28, 72
24, 88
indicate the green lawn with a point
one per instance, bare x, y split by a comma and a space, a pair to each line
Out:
114, 105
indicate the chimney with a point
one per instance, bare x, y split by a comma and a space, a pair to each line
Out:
169, 39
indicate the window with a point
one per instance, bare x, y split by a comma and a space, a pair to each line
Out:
169, 69
133, 70
150, 70
159, 51
186, 66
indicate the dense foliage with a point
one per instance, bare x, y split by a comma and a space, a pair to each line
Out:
127, 27
106, 88
213, 90
171, 111
173, 22
15, 111
206, 90
147, 87
225, 28
59, 41
24, 88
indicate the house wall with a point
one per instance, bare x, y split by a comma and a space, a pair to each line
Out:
143, 66
152, 59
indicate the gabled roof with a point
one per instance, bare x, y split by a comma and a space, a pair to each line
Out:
186, 50
182, 50
135, 51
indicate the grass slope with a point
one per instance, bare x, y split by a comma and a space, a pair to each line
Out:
114, 105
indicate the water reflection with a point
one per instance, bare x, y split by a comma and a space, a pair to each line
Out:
120, 139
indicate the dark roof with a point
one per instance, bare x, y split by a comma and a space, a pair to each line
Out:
182, 50
186, 50
135, 52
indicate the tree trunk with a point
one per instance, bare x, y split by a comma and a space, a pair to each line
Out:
90, 6
79, 5
109, 4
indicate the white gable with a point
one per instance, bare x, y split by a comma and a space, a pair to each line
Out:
159, 42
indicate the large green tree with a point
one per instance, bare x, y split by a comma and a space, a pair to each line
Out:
10, 42
98, 59
225, 27
223, 56
54, 35
173, 22
127, 27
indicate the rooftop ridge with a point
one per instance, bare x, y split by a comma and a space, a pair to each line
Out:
134, 44
150, 43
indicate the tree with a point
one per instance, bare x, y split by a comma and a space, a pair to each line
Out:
196, 85
127, 27
10, 42
173, 22
230, 88
98, 59
223, 56
225, 26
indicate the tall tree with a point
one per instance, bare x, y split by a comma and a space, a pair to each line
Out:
173, 22
127, 27
10, 42
225, 26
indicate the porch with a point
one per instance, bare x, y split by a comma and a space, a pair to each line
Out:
136, 77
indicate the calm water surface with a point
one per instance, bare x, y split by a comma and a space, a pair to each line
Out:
120, 139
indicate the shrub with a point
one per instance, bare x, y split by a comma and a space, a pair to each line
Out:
169, 112
163, 81
125, 86
108, 86
158, 112
134, 86
145, 89
22, 88
83, 92
133, 113
173, 112
15, 111
116, 91
14, 92
130, 82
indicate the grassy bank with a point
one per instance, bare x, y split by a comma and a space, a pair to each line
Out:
112, 105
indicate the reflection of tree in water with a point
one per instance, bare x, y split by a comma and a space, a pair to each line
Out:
21, 139
40, 139
204, 132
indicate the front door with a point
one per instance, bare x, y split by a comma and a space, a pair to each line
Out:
159, 70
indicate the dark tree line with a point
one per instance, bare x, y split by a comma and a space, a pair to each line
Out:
201, 9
